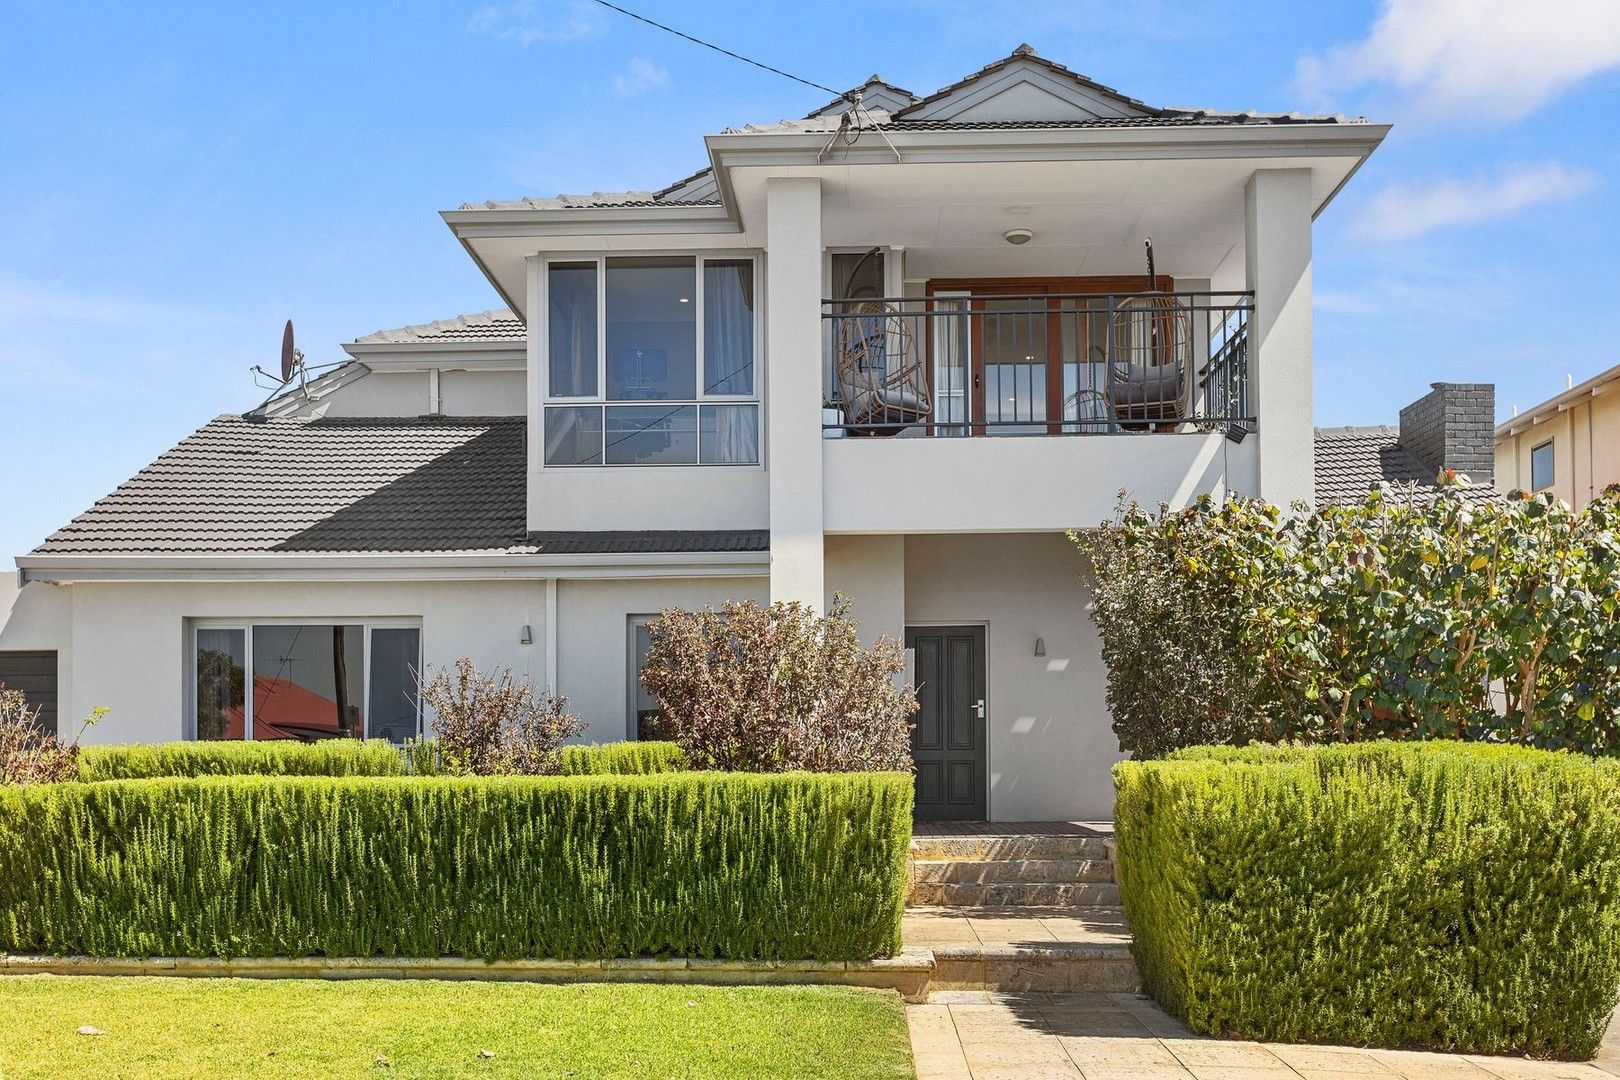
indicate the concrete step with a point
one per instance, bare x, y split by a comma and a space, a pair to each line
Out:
943, 871
1063, 968
1030, 847
1013, 894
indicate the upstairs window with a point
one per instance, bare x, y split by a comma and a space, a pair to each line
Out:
652, 361
1541, 466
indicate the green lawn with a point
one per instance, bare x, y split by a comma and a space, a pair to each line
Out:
194, 1027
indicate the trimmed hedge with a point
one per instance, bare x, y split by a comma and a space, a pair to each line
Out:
340, 757
328, 757
1457, 897
780, 867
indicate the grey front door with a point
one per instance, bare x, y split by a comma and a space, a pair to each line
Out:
948, 744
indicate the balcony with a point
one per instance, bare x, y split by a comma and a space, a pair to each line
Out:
994, 363
963, 413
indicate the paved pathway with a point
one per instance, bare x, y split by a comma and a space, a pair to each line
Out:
981, 1036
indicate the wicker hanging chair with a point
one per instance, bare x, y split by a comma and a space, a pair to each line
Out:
882, 377
1152, 362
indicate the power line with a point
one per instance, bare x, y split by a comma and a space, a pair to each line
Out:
718, 49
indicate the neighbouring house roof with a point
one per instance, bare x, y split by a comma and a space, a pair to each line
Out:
893, 108
1524, 421
365, 485
1350, 461
500, 324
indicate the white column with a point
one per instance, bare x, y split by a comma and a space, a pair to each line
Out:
1277, 206
793, 386
534, 292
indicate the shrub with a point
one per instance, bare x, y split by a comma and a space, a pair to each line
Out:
342, 757
490, 724
703, 865
1454, 897
773, 689
1179, 673
1403, 618
28, 753
328, 757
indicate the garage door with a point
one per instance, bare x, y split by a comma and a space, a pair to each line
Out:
34, 673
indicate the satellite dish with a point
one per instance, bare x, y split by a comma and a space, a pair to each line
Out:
289, 355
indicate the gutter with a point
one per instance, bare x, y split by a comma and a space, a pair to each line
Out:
417, 566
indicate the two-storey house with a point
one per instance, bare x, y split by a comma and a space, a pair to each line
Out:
894, 350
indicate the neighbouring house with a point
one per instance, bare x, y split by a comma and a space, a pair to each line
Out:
892, 350
1568, 445
1449, 428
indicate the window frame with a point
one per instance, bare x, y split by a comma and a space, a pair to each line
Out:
246, 625
1552, 465
632, 686
600, 400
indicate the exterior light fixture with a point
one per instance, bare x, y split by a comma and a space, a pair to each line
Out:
686, 300
1040, 646
527, 636
1018, 237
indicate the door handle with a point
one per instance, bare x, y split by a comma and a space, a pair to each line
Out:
978, 708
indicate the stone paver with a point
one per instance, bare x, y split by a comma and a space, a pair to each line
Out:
975, 1035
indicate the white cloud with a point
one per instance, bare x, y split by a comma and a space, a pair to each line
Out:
1402, 211
550, 21
642, 75
1501, 59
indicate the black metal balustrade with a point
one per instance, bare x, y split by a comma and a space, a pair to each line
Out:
1072, 364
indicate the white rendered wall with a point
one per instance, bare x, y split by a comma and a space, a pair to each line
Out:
1020, 484
593, 637
871, 572
481, 393
649, 497
40, 616
793, 386
409, 393
129, 640
1277, 204
1051, 744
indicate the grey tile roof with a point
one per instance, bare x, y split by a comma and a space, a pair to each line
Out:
1352, 460
371, 485
497, 325
330, 485
699, 189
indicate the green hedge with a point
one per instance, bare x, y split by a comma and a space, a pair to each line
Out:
789, 866
339, 757
1458, 897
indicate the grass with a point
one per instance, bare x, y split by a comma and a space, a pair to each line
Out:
187, 1028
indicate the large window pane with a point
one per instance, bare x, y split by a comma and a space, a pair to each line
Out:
728, 326
307, 682
652, 435
396, 660
571, 288
1541, 467
728, 434
574, 435
221, 684
651, 329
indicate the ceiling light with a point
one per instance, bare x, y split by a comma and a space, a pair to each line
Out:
1017, 237
684, 300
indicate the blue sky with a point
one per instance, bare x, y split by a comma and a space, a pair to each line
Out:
180, 179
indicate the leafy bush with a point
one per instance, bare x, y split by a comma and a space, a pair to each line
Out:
341, 757
774, 689
703, 865
1404, 618
28, 753
493, 724
1439, 895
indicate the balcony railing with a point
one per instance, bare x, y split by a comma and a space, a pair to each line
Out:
1006, 364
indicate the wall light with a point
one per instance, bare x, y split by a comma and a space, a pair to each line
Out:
1018, 237
1040, 646
527, 636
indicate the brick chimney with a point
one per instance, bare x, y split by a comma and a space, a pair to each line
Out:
1453, 426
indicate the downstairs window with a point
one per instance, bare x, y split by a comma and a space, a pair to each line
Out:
305, 681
